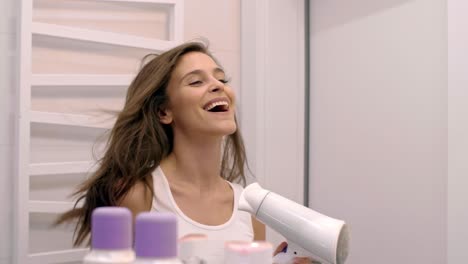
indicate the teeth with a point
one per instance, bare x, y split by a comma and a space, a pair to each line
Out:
213, 105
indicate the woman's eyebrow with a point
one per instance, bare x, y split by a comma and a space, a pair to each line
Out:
218, 70
198, 71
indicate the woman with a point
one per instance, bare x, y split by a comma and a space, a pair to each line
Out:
175, 147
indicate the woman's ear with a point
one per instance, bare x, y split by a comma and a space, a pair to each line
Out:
165, 116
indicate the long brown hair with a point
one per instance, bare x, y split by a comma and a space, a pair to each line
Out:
138, 142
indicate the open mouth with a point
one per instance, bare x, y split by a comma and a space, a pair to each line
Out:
216, 107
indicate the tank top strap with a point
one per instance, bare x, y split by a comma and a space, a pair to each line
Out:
237, 190
162, 195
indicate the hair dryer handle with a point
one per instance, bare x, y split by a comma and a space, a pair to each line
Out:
292, 251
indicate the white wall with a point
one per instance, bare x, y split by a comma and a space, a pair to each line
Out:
7, 71
379, 125
457, 131
272, 95
219, 22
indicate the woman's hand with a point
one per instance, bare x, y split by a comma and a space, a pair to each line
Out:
280, 248
296, 260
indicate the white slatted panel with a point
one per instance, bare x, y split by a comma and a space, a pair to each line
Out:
100, 37
69, 120
81, 79
57, 256
49, 207
50, 168
40, 130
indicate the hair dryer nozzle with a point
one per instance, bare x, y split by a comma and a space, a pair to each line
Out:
309, 232
252, 197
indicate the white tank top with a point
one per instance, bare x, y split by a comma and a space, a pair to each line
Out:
238, 227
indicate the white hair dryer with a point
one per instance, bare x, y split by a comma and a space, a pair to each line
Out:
308, 233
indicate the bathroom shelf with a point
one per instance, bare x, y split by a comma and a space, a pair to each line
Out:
70, 120
81, 79
97, 36
62, 256
37, 169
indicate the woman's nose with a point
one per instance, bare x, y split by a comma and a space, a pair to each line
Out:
215, 89
217, 86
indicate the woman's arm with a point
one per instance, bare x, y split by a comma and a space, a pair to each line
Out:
259, 229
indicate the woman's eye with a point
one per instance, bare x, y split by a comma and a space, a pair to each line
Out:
224, 80
195, 83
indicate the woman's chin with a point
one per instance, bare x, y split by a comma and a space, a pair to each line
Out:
228, 131
225, 129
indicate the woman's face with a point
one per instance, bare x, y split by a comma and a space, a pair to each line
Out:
200, 101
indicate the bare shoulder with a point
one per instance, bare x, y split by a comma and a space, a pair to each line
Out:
138, 199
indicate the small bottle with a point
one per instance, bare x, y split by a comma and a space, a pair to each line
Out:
156, 238
257, 252
111, 236
191, 247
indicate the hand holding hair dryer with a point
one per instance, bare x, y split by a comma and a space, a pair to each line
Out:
309, 233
